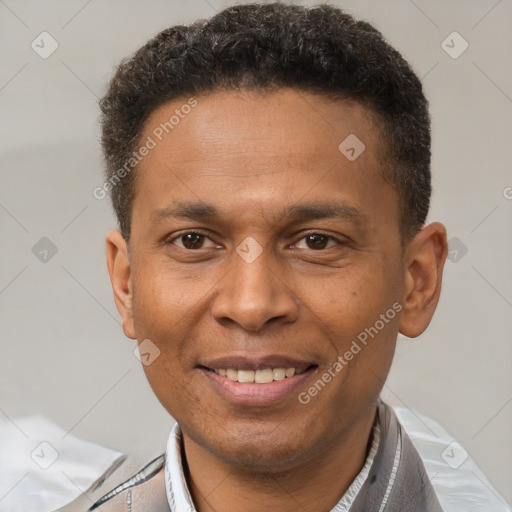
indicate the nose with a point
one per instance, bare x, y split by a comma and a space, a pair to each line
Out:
253, 295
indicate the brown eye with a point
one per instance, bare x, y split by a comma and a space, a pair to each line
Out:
316, 241
192, 240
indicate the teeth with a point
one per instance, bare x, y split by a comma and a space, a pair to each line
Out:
245, 376
279, 373
263, 376
232, 374
258, 376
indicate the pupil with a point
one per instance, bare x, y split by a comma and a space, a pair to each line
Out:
192, 240
318, 241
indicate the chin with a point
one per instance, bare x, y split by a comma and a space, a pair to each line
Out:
268, 447
263, 456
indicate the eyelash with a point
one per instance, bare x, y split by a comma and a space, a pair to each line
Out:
199, 232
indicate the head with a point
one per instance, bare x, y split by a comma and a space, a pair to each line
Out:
270, 171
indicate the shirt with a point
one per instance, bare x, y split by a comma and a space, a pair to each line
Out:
179, 497
413, 464
392, 478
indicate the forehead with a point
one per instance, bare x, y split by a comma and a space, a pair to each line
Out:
254, 149
278, 123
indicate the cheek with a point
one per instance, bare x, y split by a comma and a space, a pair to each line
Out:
355, 298
159, 317
163, 296
163, 377
361, 310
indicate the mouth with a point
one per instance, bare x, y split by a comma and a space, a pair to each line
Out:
265, 376
252, 383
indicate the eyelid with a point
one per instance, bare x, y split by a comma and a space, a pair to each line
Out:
340, 240
170, 240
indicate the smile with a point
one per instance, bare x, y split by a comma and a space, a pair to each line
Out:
264, 376
263, 382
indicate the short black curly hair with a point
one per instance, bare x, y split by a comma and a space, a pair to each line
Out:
318, 49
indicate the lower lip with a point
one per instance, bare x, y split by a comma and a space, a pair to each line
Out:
252, 394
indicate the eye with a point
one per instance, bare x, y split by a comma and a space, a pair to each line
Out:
318, 241
191, 240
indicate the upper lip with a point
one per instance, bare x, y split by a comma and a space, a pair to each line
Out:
243, 362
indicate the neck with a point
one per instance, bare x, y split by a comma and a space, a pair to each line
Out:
315, 482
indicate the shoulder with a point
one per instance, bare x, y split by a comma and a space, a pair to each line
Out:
145, 490
458, 481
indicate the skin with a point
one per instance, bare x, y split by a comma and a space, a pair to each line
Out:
251, 155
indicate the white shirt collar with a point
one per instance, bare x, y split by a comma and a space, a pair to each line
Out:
179, 497
176, 487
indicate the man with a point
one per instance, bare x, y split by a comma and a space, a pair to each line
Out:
270, 171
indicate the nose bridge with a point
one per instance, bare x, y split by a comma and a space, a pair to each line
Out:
252, 292
254, 280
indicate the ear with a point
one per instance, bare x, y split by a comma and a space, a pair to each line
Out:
118, 263
424, 257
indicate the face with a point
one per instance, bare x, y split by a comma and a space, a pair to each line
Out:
260, 251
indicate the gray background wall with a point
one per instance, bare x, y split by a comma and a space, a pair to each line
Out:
63, 353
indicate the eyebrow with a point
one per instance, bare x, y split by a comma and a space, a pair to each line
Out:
201, 211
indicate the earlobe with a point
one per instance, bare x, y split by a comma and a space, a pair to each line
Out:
119, 269
424, 259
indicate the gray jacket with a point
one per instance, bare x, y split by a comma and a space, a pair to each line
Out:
397, 480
